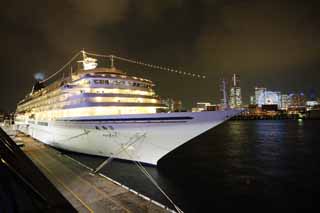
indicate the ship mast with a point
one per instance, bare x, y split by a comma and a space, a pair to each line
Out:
112, 61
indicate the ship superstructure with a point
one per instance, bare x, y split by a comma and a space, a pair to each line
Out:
103, 111
90, 91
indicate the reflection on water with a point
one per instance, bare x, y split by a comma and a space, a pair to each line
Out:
240, 165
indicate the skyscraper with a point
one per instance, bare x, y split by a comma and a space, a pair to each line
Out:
235, 92
297, 100
252, 99
223, 90
284, 101
260, 95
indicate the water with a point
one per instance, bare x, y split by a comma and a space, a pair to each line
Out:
240, 165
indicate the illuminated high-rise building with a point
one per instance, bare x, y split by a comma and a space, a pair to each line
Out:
273, 98
223, 90
235, 92
252, 100
285, 101
297, 100
260, 95
264, 97
172, 105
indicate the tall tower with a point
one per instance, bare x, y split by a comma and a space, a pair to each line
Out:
224, 96
235, 92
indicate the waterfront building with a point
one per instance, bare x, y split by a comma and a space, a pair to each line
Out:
297, 100
312, 105
177, 106
201, 106
223, 90
297, 103
285, 101
212, 107
272, 98
264, 97
172, 104
252, 100
259, 93
235, 92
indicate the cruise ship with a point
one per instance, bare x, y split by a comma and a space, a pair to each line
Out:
105, 111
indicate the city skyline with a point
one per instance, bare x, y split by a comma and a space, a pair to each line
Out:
274, 44
231, 94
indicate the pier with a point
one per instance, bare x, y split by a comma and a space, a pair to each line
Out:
87, 192
277, 115
266, 117
23, 187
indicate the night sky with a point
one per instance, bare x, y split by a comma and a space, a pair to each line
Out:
269, 43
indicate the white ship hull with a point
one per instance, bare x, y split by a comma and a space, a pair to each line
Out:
140, 137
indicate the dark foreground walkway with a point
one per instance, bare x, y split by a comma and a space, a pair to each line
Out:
85, 191
23, 188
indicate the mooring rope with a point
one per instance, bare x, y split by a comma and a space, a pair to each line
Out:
149, 176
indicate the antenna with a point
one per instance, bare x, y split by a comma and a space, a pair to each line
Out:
112, 61
71, 70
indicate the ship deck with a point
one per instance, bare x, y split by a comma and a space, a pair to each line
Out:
86, 192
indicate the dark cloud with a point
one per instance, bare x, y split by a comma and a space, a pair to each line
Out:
261, 36
268, 43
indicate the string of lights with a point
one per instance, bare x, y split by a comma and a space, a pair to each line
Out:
194, 75
112, 57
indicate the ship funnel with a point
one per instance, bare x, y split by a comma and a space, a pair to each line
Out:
37, 86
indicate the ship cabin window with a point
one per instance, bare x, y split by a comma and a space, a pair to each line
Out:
118, 82
136, 84
98, 81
